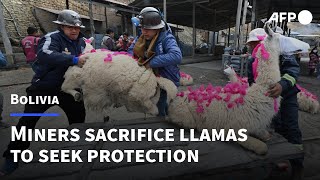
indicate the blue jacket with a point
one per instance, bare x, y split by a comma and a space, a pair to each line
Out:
3, 61
289, 69
56, 52
168, 56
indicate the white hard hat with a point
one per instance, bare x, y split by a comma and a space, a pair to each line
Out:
256, 35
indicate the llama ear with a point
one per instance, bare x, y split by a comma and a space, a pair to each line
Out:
91, 39
268, 29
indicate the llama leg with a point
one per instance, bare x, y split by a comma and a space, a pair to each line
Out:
262, 134
254, 145
77, 95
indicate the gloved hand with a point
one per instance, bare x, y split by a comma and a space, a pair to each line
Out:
82, 60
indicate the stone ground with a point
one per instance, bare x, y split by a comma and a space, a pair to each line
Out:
16, 81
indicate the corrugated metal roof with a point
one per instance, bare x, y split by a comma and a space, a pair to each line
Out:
58, 11
215, 14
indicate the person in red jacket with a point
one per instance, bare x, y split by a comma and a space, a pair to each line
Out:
30, 45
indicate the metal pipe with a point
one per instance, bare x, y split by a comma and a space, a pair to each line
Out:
91, 22
194, 28
236, 37
253, 14
244, 17
165, 10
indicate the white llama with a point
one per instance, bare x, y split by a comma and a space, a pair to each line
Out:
115, 79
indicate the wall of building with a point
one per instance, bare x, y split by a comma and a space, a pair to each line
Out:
22, 12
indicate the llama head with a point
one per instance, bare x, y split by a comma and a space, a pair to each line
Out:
266, 65
88, 42
271, 42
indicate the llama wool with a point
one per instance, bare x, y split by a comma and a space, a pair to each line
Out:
115, 79
235, 106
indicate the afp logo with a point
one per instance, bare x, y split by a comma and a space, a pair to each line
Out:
304, 17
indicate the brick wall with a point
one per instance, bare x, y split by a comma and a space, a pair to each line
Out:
22, 12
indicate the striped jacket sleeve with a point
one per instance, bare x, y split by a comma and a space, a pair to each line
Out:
290, 70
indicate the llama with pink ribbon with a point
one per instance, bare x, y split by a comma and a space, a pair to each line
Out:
236, 105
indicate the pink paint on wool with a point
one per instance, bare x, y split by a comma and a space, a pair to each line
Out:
227, 98
93, 51
103, 49
261, 38
184, 75
239, 100
181, 94
255, 68
210, 88
218, 89
201, 88
120, 53
230, 105
190, 97
217, 97
265, 54
108, 58
200, 109
87, 41
306, 92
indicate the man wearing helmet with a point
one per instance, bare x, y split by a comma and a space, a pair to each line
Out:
56, 52
157, 48
286, 121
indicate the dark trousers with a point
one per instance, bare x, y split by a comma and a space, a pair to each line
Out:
75, 112
162, 103
286, 123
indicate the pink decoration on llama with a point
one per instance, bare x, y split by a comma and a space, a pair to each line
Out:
203, 96
255, 68
261, 38
210, 88
307, 93
93, 51
265, 54
87, 41
230, 105
239, 100
108, 58
181, 94
200, 109
106, 50
227, 98
184, 75
120, 53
